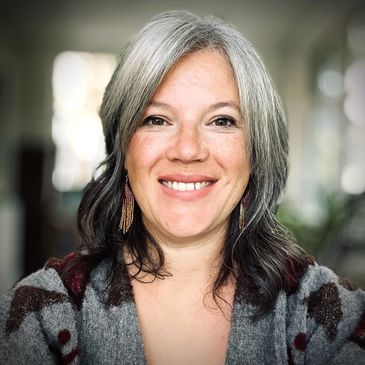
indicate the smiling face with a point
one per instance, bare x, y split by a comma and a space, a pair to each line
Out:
187, 163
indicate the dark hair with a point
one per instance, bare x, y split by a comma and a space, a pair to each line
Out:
262, 251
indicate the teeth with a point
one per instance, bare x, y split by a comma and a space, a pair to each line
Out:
190, 186
180, 186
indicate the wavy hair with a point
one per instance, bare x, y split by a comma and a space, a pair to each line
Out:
262, 250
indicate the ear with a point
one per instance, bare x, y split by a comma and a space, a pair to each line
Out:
125, 163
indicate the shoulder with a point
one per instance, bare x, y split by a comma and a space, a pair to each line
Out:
326, 316
62, 278
73, 275
34, 292
39, 290
38, 316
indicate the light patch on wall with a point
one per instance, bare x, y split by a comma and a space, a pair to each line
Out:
356, 35
79, 80
330, 82
353, 178
354, 105
353, 173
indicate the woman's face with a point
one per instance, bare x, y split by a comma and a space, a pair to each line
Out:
187, 164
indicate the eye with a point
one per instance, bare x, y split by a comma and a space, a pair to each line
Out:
154, 121
224, 121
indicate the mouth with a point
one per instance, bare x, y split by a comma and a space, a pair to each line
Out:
186, 186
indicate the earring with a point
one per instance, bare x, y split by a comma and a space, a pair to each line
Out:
126, 219
241, 219
243, 206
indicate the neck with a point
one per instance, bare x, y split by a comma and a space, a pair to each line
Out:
201, 260
193, 269
193, 255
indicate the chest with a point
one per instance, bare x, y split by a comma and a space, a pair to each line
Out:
133, 333
181, 336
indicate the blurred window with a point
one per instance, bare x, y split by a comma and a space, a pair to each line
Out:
79, 80
338, 130
353, 172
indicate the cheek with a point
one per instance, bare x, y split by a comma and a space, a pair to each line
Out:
233, 155
133, 154
245, 167
141, 153
238, 163
241, 156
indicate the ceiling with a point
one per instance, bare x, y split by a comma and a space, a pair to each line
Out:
108, 25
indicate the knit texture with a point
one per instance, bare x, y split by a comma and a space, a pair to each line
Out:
317, 319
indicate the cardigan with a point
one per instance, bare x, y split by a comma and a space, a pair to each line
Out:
317, 319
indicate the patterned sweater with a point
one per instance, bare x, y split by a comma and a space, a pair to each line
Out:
317, 319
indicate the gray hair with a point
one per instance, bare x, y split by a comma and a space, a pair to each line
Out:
163, 42
261, 251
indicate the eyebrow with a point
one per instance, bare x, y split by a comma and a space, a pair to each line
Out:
215, 106
223, 104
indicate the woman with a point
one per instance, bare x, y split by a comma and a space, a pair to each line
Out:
182, 259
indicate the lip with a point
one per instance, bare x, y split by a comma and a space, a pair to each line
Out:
188, 195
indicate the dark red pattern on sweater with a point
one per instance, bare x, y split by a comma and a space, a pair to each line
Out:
300, 341
67, 359
359, 334
63, 337
346, 284
324, 306
74, 278
28, 299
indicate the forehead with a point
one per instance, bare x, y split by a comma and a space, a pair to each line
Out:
205, 71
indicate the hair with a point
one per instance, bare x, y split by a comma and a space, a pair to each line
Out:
261, 251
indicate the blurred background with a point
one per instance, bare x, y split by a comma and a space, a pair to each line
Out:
55, 61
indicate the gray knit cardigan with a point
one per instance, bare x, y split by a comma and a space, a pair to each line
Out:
318, 319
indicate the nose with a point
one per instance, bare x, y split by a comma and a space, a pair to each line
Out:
188, 145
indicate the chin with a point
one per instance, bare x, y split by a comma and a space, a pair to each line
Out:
185, 232
188, 231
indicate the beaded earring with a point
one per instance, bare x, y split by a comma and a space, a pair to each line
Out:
126, 219
243, 208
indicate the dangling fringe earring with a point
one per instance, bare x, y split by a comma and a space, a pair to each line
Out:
126, 219
241, 219
243, 207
